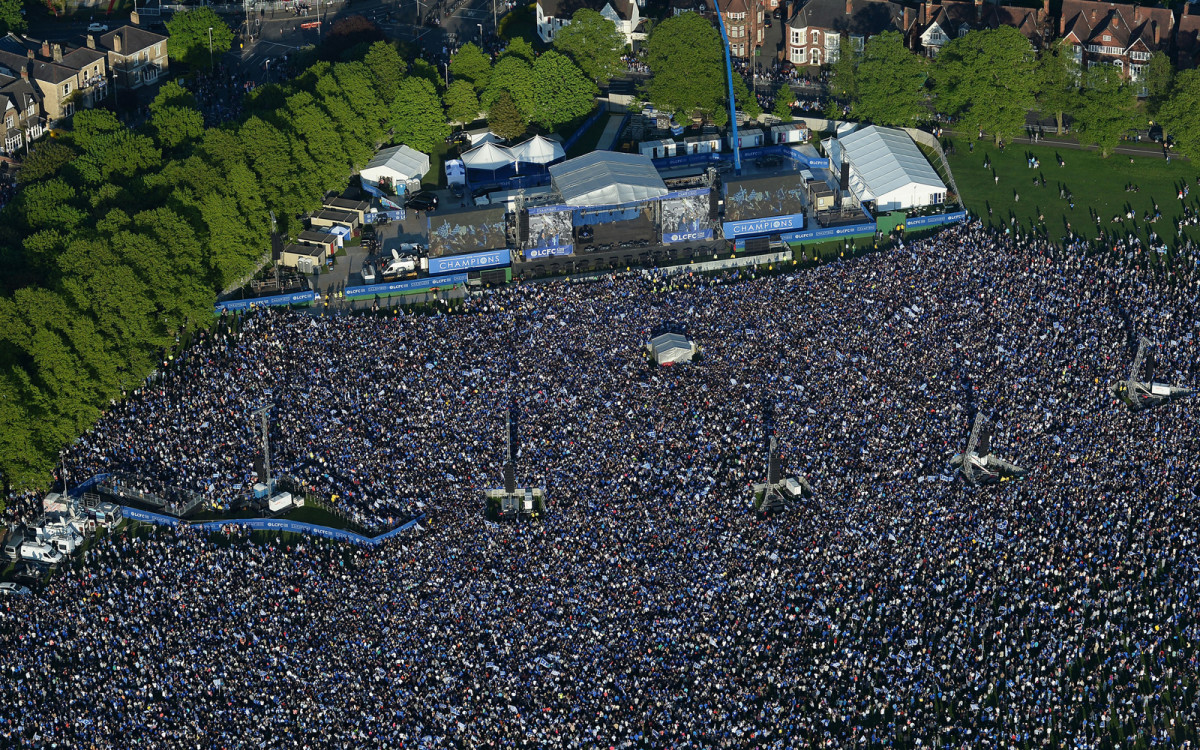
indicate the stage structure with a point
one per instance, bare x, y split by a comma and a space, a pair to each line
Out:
511, 501
1147, 394
976, 464
669, 343
774, 495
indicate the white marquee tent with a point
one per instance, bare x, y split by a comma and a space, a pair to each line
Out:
398, 163
888, 168
538, 150
604, 178
489, 157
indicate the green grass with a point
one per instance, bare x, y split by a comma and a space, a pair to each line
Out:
1097, 184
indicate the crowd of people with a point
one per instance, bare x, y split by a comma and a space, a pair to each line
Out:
651, 607
220, 94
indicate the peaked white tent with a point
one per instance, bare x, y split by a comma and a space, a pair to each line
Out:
888, 168
398, 163
538, 150
488, 157
604, 178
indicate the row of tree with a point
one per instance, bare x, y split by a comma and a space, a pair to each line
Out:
988, 81
120, 238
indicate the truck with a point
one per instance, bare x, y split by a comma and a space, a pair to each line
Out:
41, 552
280, 502
62, 536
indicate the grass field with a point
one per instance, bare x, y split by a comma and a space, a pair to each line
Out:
1097, 184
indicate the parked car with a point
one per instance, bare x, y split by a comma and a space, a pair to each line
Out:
422, 201
97, 28
458, 138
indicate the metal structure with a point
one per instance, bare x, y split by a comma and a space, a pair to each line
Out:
774, 494
976, 464
262, 413
1147, 394
512, 449
737, 151
512, 501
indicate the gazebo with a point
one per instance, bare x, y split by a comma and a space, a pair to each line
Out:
538, 150
488, 158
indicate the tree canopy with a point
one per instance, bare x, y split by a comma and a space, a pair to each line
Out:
1180, 116
12, 21
687, 65
189, 37
471, 65
594, 43
561, 91
889, 82
505, 119
418, 117
983, 79
1107, 108
461, 103
1056, 82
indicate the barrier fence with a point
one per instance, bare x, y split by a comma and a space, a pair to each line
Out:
268, 524
296, 298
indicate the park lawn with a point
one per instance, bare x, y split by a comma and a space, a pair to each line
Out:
1098, 185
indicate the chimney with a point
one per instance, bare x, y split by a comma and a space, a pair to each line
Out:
849, 7
117, 43
979, 10
91, 39
1137, 14
905, 19
1155, 25
24, 74
1046, 7
56, 50
926, 13
29, 53
45, 49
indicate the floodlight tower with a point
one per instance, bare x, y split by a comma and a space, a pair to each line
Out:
1147, 394
263, 412
977, 464
512, 501
774, 494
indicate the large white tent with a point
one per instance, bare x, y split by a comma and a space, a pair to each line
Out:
538, 150
888, 168
604, 178
398, 163
488, 156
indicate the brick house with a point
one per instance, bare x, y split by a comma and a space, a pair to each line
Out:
64, 78
743, 25
938, 23
813, 34
1110, 34
137, 57
1187, 39
552, 15
21, 113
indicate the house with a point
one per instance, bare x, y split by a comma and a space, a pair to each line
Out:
814, 33
64, 78
1121, 35
938, 23
137, 57
552, 15
1187, 43
749, 138
328, 217
743, 25
21, 113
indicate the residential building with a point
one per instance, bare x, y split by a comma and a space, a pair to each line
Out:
743, 25
1121, 35
938, 23
137, 57
21, 110
65, 78
552, 15
1187, 39
814, 33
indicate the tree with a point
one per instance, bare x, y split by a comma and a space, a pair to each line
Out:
746, 102
387, 70
843, 81
783, 105
594, 43
890, 82
1107, 108
519, 47
687, 63
505, 119
470, 64
1179, 114
561, 91
12, 21
174, 117
418, 117
461, 103
983, 80
1156, 82
1056, 82
46, 160
514, 76
189, 37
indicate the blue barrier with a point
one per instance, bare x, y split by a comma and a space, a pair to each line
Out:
934, 221
589, 122
406, 287
268, 524
87, 484
617, 138
853, 230
298, 298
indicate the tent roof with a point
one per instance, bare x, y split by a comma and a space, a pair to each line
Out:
405, 161
488, 156
538, 150
604, 178
887, 159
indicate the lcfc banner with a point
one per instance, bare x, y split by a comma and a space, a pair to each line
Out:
299, 298
406, 287
934, 221
670, 238
470, 261
536, 253
769, 225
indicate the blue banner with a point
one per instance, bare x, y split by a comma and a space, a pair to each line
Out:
91, 482
853, 230
670, 238
298, 298
769, 225
269, 524
537, 253
470, 261
406, 287
376, 217
933, 221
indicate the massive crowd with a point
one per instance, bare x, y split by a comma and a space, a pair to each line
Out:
651, 607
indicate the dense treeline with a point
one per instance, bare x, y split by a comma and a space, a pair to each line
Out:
119, 239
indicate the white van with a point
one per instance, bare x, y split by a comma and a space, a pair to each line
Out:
40, 552
279, 502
